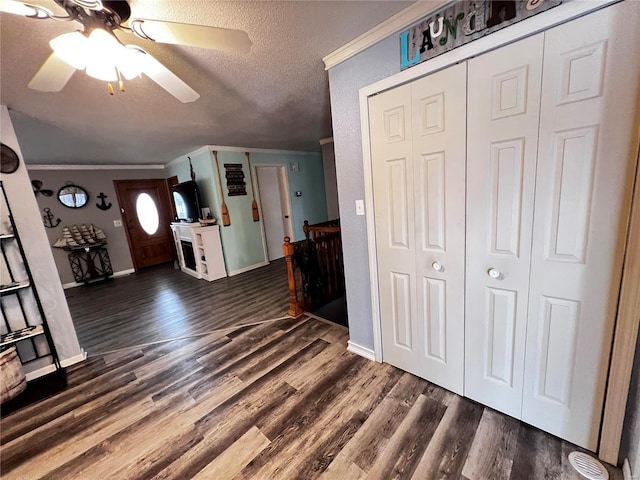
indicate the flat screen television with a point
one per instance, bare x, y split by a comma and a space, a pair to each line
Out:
187, 201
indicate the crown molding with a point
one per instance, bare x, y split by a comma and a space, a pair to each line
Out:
393, 24
93, 167
222, 148
324, 141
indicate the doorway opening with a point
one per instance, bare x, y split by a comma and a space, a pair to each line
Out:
275, 207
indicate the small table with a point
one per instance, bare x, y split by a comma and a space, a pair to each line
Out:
90, 262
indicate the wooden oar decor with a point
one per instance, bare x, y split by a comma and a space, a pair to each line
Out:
254, 205
226, 219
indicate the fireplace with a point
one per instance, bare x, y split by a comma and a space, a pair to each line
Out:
188, 254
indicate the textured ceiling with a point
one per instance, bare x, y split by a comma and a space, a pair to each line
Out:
275, 97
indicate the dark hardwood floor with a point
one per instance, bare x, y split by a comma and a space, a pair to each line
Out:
278, 400
161, 303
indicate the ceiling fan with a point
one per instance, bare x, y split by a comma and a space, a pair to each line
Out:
98, 52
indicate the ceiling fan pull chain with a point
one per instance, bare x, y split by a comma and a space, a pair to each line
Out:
120, 81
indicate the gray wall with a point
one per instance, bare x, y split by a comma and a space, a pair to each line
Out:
345, 79
94, 182
32, 233
330, 180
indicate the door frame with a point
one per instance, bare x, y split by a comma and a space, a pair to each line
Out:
283, 176
627, 326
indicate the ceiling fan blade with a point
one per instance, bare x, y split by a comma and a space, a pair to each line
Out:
215, 38
160, 74
24, 9
52, 76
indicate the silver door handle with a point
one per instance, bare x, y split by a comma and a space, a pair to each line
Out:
437, 266
494, 273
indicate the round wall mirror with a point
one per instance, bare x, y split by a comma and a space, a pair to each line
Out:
73, 196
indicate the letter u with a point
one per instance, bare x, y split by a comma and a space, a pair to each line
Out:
435, 35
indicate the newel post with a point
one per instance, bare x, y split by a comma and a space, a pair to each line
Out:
305, 229
295, 309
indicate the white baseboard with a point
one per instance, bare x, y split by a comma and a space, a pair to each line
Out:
121, 273
362, 351
246, 269
51, 368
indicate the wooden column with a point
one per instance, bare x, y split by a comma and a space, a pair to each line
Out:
295, 309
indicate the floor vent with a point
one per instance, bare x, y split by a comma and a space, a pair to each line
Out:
587, 466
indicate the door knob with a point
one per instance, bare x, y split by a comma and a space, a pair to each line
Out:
437, 266
494, 273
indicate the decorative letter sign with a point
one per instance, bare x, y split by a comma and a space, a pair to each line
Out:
235, 179
462, 22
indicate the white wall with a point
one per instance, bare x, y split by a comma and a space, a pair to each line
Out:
38, 252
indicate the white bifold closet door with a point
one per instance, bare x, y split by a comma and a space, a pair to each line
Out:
586, 157
418, 140
502, 126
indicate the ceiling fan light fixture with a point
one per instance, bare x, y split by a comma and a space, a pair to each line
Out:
130, 63
102, 71
105, 46
72, 48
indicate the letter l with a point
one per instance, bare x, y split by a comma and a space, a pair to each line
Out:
404, 51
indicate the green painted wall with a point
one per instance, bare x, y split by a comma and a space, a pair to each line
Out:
242, 240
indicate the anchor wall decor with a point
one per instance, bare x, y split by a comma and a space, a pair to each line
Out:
48, 218
103, 205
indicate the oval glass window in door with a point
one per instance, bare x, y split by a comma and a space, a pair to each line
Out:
147, 213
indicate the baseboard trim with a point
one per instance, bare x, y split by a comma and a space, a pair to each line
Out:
247, 269
51, 368
121, 273
362, 351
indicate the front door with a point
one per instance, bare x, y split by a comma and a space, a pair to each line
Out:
146, 214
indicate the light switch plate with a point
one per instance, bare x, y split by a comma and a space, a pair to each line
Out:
359, 207
117, 223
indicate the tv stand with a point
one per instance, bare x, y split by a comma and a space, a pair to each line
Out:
199, 250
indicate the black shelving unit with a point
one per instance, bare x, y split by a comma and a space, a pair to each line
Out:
24, 323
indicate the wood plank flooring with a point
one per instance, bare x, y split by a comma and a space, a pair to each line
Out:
161, 303
278, 400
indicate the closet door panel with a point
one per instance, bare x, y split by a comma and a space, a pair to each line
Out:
439, 137
393, 172
502, 129
587, 150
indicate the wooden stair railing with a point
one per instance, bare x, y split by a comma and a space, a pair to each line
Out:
328, 241
321, 255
